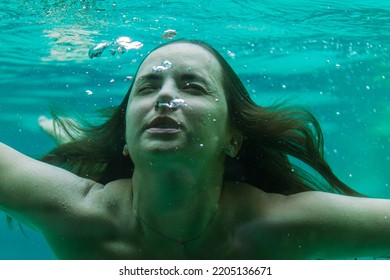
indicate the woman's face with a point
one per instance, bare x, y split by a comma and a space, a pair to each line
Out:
198, 127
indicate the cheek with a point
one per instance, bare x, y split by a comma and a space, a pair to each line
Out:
135, 113
137, 109
214, 122
218, 115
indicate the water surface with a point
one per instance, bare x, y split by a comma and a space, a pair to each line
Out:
332, 57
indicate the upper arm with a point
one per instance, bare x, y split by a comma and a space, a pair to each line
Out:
328, 226
39, 194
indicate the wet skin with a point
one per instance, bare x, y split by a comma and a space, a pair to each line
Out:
203, 124
176, 205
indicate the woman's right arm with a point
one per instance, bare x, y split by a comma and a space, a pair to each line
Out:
38, 194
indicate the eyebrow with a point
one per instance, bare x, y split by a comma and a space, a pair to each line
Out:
194, 77
183, 77
150, 77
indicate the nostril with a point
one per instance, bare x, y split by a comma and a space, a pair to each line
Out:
172, 104
158, 104
164, 105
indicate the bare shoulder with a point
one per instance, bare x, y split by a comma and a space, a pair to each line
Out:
300, 205
267, 225
249, 201
98, 225
245, 190
307, 225
110, 200
99, 208
311, 204
296, 209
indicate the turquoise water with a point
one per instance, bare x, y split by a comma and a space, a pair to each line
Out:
331, 56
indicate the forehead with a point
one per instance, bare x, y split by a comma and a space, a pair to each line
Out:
184, 57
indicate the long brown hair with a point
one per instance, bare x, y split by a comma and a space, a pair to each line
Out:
273, 136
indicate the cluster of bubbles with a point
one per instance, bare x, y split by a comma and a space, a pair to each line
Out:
120, 45
172, 104
164, 66
123, 44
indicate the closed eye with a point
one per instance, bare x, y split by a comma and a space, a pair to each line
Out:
146, 89
195, 88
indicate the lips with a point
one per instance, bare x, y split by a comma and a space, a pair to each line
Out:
163, 124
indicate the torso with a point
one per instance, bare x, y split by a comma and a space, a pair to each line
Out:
116, 234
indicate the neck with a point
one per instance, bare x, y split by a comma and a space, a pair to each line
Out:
176, 202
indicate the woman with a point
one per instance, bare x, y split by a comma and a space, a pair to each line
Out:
188, 167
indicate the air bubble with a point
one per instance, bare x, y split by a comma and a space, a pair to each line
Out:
167, 64
231, 54
97, 50
164, 66
158, 68
123, 44
171, 104
120, 45
169, 34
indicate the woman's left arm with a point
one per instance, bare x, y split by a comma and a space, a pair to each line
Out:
331, 226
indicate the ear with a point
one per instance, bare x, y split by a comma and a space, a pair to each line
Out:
125, 151
234, 146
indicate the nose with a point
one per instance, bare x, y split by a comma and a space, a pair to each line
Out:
167, 93
168, 90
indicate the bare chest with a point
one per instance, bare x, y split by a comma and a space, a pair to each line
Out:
219, 245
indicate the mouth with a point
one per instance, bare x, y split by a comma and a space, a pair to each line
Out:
163, 125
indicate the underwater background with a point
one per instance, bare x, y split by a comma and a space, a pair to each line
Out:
332, 57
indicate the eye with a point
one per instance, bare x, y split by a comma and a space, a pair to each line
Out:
195, 88
146, 89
